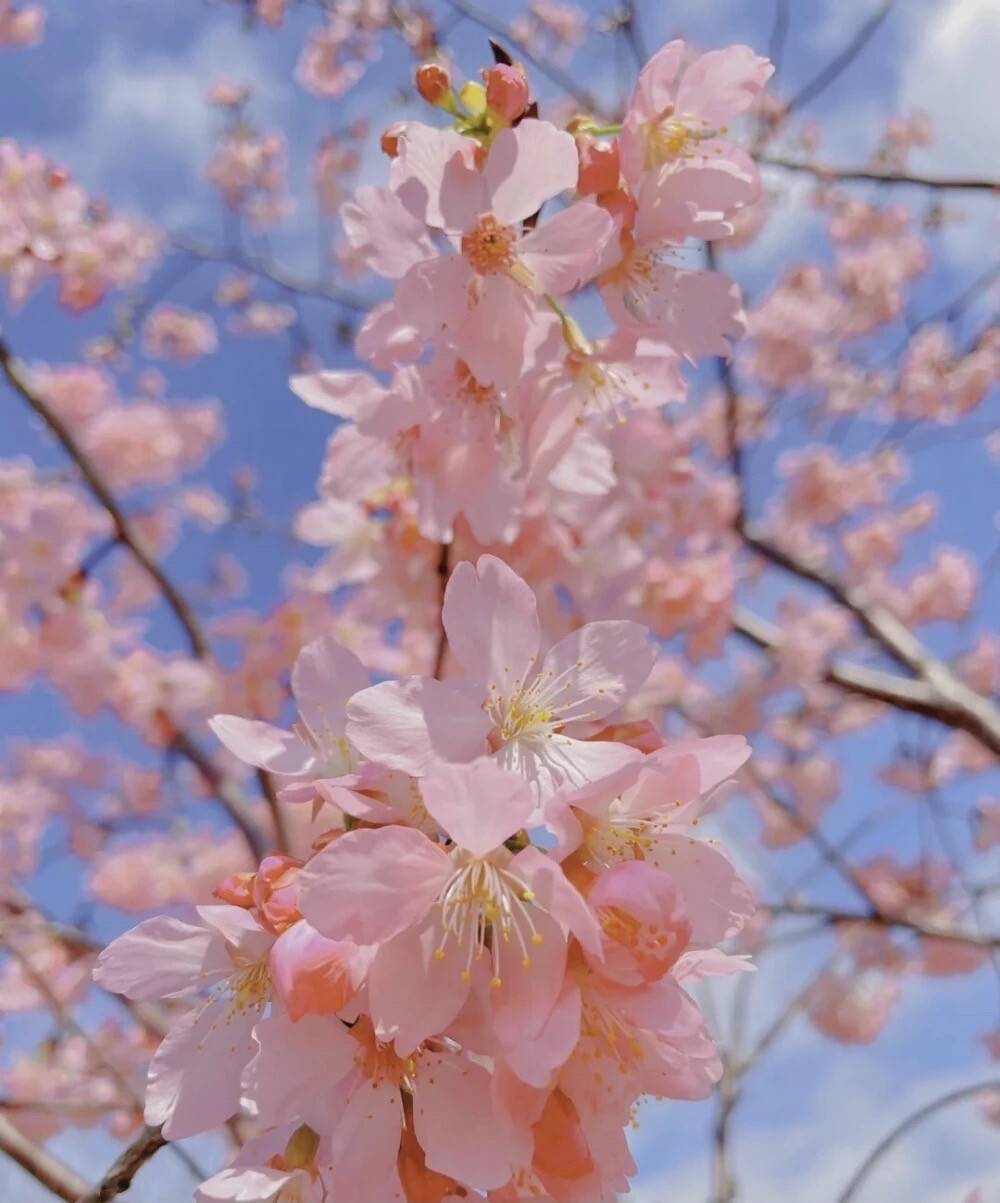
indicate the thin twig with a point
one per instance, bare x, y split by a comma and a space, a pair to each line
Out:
832, 71
830, 174
52, 1173
131, 1160
905, 1126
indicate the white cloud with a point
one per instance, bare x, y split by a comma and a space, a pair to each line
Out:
145, 132
952, 74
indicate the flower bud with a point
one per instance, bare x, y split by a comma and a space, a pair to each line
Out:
390, 139
433, 82
600, 166
506, 91
275, 893
236, 889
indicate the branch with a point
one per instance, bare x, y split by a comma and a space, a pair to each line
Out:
865, 175
119, 1177
562, 79
52, 1173
267, 269
443, 571
228, 794
956, 704
926, 928
902, 1128
17, 378
840, 62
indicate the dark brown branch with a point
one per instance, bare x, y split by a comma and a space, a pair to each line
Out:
52, 1173
865, 175
444, 572
119, 1177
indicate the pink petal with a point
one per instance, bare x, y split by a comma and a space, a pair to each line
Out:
366, 1143
160, 958
477, 804
491, 618
554, 894
654, 89
564, 252
523, 1001
324, 678
435, 178
717, 899
718, 757
345, 394
453, 1096
294, 1062
262, 745
535, 1058
694, 202
556, 761
408, 725
313, 974
377, 224
412, 994
594, 670
526, 167
240, 929
372, 883
194, 1076
722, 83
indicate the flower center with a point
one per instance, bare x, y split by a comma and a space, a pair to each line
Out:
469, 389
483, 907
608, 1040
378, 1062
489, 246
533, 709
675, 136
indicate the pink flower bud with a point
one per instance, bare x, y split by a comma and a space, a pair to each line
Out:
390, 139
506, 91
433, 82
600, 166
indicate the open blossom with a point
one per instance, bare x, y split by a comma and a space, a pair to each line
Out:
194, 1078
671, 121
485, 292
514, 700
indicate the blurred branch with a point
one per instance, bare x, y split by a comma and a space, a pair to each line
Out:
951, 701
227, 793
833, 915
119, 1177
52, 1173
840, 62
562, 79
19, 381
268, 269
866, 175
905, 1126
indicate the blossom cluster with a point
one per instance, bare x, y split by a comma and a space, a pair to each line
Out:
50, 227
481, 963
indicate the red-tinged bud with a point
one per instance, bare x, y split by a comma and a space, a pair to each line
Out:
620, 205
236, 889
391, 137
506, 91
433, 83
275, 893
600, 166
57, 177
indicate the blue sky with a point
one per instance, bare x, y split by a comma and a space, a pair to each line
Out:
116, 93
